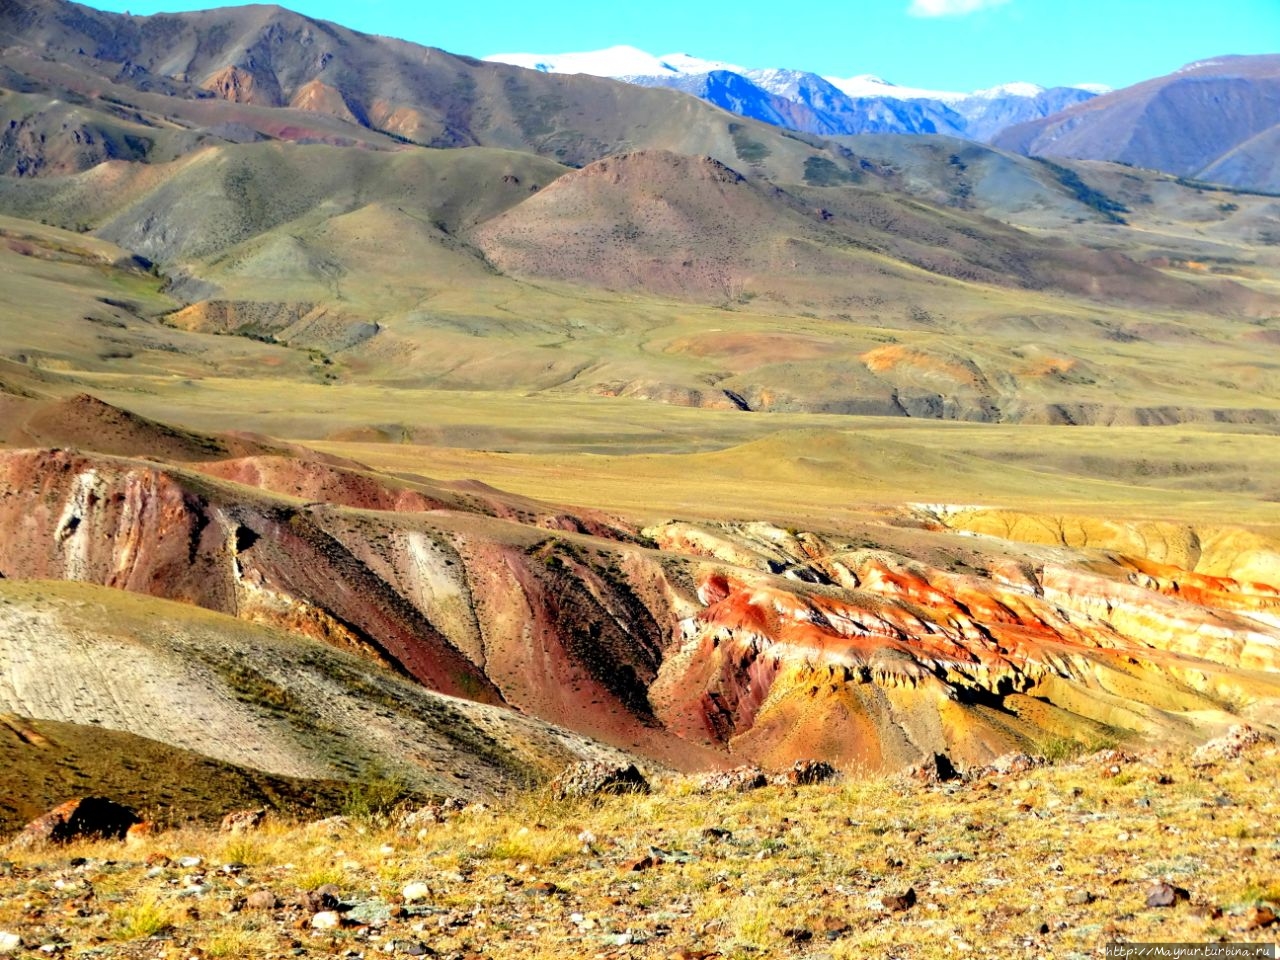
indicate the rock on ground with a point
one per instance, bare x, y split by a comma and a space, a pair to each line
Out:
1229, 746
591, 778
243, 821
82, 818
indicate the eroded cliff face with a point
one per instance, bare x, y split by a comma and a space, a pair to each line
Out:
473, 594
695, 644
805, 645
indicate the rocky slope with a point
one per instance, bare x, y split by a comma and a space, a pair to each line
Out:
1163, 846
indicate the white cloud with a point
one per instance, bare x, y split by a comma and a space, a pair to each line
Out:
950, 8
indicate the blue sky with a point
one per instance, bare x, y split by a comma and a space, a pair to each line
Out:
942, 44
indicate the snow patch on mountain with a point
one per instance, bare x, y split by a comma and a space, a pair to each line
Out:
869, 86
805, 101
616, 62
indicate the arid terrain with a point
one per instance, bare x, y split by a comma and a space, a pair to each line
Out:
379, 426
1170, 847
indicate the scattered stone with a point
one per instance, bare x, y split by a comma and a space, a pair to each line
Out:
243, 821
1166, 895
1229, 746
190, 862
415, 892
644, 863
662, 855
897, 902
9, 942
592, 778
805, 773
1259, 918
82, 818
1007, 765
1111, 761
410, 948
262, 900
936, 769
374, 912
326, 920
318, 901
432, 813
737, 780
833, 928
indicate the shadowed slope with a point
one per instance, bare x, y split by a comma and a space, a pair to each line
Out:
1186, 123
47, 761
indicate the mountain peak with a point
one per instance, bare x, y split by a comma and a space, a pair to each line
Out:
616, 62
1016, 89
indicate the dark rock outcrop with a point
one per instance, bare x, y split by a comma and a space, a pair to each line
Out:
79, 819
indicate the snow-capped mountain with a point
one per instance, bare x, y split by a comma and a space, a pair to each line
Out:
869, 86
804, 101
617, 62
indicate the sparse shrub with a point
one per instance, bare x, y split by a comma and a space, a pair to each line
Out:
747, 149
539, 847
1090, 197
375, 794
1066, 749
243, 850
318, 877
243, 942
821, 172
1060, 749
144, 917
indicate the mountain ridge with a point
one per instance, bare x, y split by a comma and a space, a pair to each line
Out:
1188, 123
859, 104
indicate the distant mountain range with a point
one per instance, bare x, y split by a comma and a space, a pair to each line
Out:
828, 106
1216, 120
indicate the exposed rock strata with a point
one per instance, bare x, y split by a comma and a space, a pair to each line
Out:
727, 640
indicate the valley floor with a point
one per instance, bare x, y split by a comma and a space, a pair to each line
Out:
1051, 861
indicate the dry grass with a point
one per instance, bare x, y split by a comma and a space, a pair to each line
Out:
1055, 862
